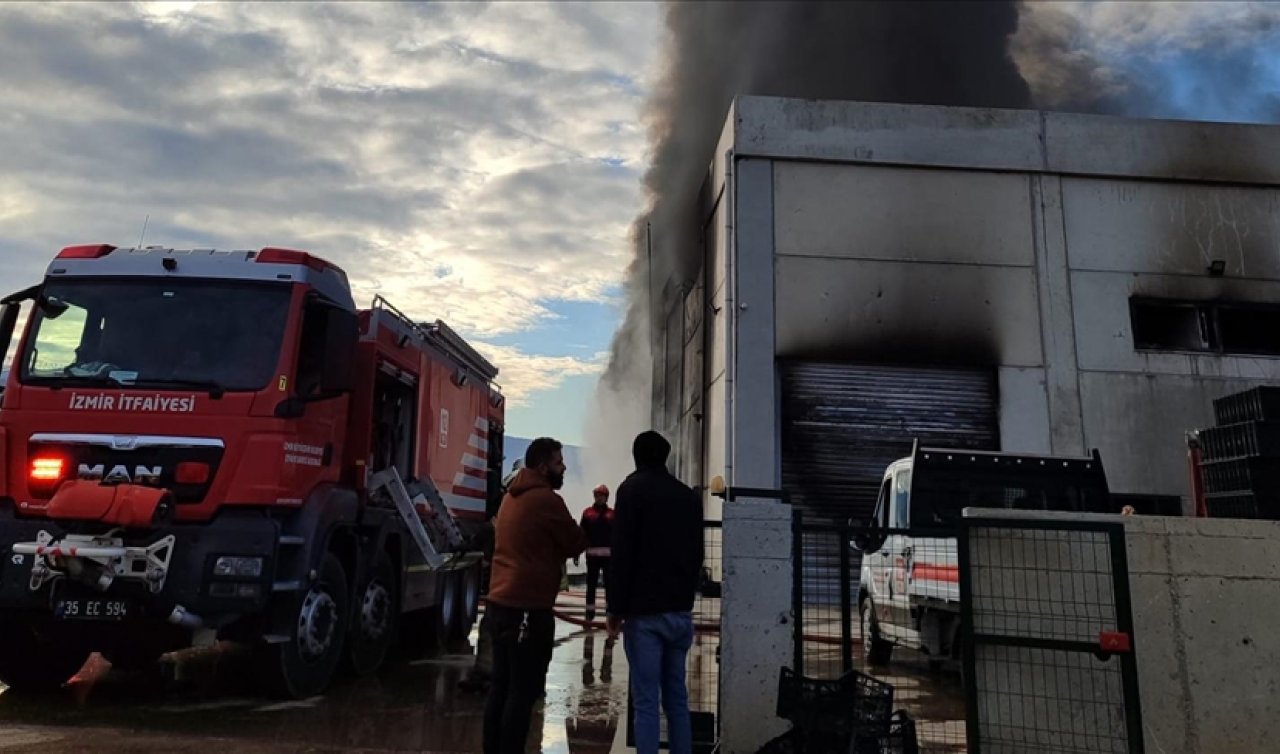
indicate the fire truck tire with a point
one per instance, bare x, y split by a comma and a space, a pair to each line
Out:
874, 647
304, 665
468, 602
375, 618
448, 612
29, 662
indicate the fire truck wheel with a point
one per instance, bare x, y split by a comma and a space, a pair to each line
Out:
29, 662
874, 647
304, 665
447, 612
468, 602
374, 618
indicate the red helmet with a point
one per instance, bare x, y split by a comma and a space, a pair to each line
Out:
601, 490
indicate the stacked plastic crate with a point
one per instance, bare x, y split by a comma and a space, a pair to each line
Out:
1240, 464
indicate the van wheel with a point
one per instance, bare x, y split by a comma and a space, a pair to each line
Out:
874, 647
375, 616
304, 665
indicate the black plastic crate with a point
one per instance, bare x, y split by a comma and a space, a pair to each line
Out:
901, 738
828, 712
1247, 439
1242, 504
867, 699
1258, 475
1257, 404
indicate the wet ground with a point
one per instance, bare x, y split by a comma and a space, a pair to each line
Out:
409, 707
932, 696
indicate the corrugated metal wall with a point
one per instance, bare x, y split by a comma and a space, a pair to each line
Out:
842, 424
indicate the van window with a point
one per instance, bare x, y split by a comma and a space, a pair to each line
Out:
899, 518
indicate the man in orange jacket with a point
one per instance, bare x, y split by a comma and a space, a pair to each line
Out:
534, 535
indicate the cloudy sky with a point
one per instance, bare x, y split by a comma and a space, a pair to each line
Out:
476, 163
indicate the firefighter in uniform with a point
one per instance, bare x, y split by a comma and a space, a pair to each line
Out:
597, 525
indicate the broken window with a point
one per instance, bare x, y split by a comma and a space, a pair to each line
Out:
1249, 329
1206, 327
1169, 326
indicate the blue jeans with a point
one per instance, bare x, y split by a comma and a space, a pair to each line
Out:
657, 649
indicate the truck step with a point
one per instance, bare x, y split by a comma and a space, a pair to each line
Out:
287, 586
292, 540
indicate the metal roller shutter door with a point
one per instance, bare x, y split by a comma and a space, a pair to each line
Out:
842, 424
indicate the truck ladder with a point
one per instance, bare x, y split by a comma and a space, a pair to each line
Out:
443, 535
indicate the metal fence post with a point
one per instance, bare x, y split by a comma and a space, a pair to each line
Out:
846, 603
797, 588
968, 650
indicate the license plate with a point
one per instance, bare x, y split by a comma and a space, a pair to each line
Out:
91, 608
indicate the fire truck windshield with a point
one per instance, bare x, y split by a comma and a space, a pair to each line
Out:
160, 334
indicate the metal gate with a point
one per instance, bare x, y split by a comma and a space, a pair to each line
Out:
1049, 657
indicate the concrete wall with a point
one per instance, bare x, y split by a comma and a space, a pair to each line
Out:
1206, 639
756, 622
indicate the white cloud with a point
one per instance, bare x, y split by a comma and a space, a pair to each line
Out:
472, 162
525, 373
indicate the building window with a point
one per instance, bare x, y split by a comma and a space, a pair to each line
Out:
1249, 329
1205, 327
1169, 326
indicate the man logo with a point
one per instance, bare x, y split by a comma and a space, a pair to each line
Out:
120, 474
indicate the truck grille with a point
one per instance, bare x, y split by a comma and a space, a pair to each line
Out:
149, 461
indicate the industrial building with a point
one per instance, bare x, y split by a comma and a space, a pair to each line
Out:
989, 279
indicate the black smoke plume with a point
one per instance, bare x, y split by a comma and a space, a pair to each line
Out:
941, 53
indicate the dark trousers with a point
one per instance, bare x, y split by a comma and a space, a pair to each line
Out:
519, 674
596, 567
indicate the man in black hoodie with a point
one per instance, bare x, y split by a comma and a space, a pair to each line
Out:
657, 559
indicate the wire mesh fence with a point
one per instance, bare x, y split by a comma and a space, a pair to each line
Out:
704, 657
884, 604
1052, 667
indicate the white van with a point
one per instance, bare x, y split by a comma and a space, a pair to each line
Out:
909, 587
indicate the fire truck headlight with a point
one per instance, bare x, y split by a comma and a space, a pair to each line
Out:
235, 565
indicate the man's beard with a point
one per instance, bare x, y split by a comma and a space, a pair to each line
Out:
556, 480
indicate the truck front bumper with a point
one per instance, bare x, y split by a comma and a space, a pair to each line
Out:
190, 587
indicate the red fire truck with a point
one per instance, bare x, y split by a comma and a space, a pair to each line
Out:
201, 445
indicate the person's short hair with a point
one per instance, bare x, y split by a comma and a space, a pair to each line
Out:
650, 449
540, 451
